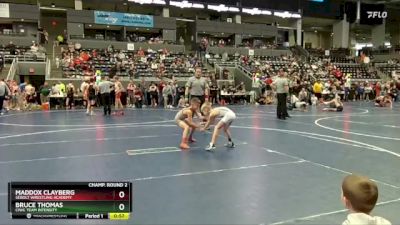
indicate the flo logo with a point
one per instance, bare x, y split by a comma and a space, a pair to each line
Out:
377, 14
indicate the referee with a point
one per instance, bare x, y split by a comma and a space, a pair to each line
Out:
105, 89
281, 85
197, 87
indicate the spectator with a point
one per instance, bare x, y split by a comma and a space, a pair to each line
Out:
167, 94
4, 92
131, 93
15, 95
359, 195
30, 95
45, 91
119, 89
378, 89
55, 90
138, 94
34, 47
70, 95
61, 87
317, 89
367, 92
153, 94
46, 36
11, 48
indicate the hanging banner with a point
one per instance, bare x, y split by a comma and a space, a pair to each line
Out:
4, 10
251, 52
372, 14
123, 19
130, 47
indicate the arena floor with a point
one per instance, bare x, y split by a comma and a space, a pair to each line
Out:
281, 172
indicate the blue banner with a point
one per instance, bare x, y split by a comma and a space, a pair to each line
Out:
123, 19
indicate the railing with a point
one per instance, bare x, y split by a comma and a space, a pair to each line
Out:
31, 57
225, 64
48, 68
244, 70
14, 34
13, 69
54, 50
303, 53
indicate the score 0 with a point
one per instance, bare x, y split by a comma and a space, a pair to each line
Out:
121, 194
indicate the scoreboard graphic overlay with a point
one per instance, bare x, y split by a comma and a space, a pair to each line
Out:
70, 200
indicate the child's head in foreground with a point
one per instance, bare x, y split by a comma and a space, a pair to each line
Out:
359, 194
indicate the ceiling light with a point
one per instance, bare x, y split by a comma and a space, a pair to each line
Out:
157, 2
287, 14
256, 11
223, 8
186, 4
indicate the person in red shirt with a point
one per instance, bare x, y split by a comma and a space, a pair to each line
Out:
378, 89
85, 56
338, 74
141, 52
77, 61
268, 81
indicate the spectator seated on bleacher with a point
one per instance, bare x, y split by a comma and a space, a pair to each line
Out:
10, 51
140, 63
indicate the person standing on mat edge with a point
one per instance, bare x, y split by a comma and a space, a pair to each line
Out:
92, 89
105, 89
197, 87
281, 85
4, 92
119, 108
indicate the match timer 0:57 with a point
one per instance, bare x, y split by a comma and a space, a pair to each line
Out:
118, 216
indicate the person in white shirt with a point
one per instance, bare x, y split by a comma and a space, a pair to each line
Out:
226, 115
359, 195
34, 47
297, 104
181, 103
30, 95
367, 92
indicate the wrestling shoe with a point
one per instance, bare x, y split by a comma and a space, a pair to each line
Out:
210, 147
230, 144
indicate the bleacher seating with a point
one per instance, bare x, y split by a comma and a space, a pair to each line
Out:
357, 71
342, 60
387, 68
110, 64
8, 57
